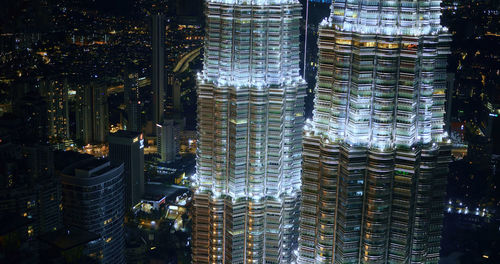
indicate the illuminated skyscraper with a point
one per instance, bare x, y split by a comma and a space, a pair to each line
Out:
375, 154
250, 121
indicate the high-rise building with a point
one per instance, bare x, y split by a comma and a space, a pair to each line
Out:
127, 147
158, 67
168, 134
57, 110
376, 156
32, 110
131, 101
250, 120
93, 201
174, 105
450, 92
29, 188
92, 116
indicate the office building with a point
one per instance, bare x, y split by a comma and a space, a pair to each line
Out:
158, 67
167, 140
93, 193
375, 158
92, 116
127, 147
250, 120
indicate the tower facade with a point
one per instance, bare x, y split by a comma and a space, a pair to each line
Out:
158, 67
250, 120
375, 154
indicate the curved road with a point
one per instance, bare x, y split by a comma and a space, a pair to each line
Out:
183, 63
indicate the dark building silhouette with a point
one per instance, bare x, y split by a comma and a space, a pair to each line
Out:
92, 114
93, 193
158, 67
131, 101
127, 147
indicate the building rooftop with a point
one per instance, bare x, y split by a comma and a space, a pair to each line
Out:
68, 238
63, 158
156, 191
90, 168
125, 134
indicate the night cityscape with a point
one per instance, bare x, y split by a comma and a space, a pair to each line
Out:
250, 131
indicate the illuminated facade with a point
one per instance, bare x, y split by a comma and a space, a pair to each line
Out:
250, 120
375, 154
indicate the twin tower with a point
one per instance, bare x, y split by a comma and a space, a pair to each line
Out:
364, 181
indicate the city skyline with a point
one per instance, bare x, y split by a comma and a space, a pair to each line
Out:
261, 131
